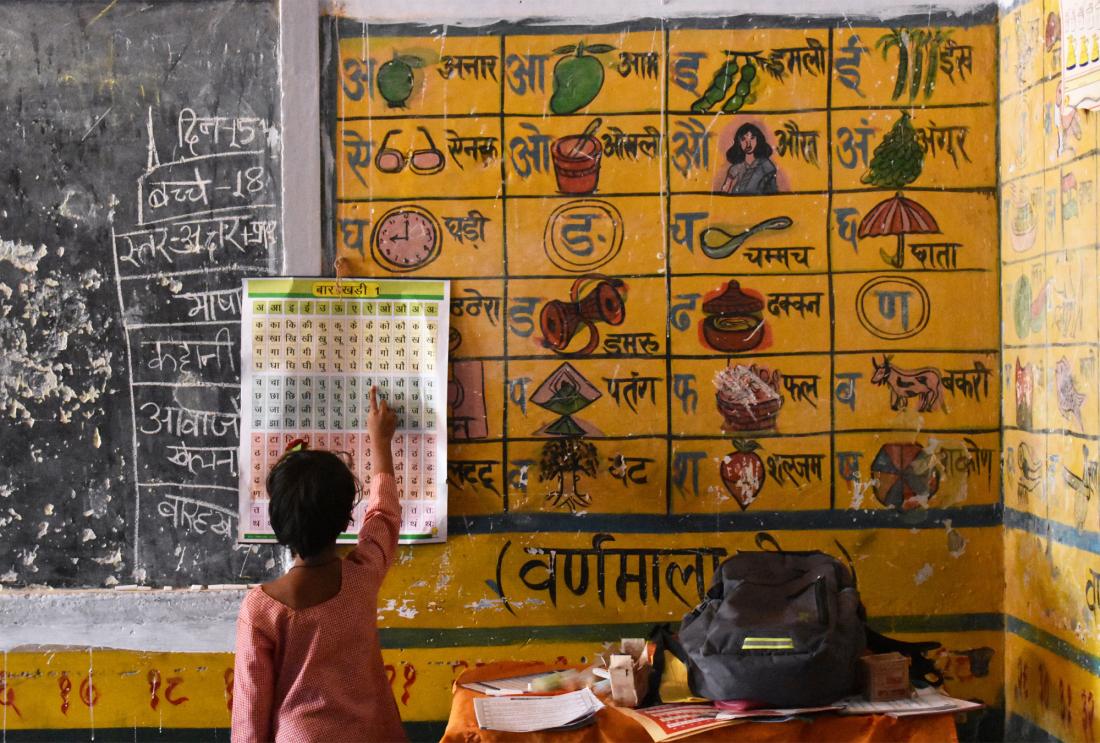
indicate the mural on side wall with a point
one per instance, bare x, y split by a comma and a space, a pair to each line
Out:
1051, 411
698, 276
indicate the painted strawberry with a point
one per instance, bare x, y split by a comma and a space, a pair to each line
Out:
743, 472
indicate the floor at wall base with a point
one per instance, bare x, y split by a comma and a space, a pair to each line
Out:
1019, 728
418, 732
985, 727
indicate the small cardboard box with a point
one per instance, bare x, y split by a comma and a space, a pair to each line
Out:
629, 673
886, 677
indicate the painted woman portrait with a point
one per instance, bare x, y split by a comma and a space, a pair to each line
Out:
751, 170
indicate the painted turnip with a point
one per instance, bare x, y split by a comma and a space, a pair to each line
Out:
742, 472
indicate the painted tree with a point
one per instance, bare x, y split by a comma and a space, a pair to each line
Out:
567, 459
567, 455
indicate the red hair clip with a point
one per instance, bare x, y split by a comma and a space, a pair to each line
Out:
296, 445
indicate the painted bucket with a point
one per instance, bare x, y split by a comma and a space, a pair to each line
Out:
577, 163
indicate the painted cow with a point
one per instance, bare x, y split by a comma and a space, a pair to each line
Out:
924, 384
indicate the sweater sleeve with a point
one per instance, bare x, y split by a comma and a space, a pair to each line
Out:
253, 684
381, 525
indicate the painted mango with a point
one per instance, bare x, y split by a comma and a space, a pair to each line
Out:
578, 77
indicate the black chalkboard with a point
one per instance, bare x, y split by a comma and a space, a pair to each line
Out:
138, 185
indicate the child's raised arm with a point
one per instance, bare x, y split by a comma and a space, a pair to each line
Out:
382, 522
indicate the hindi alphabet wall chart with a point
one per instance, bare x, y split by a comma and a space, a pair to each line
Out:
711, 278
311, 352
693, 273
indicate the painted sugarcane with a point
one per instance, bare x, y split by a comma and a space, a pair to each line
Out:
896, 39
917, 39
936, 45
920, 54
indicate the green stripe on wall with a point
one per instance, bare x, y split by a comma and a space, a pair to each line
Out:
1086, 541
991, 621
450, 637
1056, 645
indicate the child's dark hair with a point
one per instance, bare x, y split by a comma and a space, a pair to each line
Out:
312, 494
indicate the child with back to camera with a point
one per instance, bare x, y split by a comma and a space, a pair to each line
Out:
308, 665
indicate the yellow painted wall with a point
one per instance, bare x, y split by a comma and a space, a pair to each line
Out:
1050, 331
652, 538
92, 688
532, 570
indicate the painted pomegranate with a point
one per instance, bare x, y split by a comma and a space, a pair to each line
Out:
742, 472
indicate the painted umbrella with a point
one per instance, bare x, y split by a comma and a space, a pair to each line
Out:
897, 216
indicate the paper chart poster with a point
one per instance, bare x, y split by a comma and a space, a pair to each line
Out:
311, 350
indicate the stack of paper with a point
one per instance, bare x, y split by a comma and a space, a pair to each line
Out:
506, 686
927, 701
748, 714
526, 714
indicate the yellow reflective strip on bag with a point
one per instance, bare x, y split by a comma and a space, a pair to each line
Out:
752, 641
767, 643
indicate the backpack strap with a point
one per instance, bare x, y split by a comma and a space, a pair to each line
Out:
922, 670
664, 640
715, 593
851, 565
763, 538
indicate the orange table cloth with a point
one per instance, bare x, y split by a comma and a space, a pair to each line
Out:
614, 727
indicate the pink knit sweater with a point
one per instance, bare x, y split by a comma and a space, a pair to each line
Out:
316, 674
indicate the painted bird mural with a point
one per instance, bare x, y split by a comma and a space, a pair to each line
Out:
1069, 399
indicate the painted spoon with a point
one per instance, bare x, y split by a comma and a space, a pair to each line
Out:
717, 243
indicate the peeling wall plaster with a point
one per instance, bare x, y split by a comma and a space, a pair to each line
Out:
50, 367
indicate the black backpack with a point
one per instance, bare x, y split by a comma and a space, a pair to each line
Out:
778, 627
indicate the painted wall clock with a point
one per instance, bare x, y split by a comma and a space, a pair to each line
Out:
406, 238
